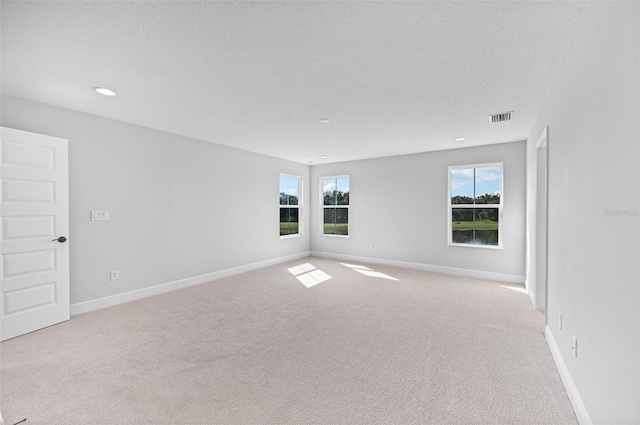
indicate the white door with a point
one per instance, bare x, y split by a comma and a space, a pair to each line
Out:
35, 226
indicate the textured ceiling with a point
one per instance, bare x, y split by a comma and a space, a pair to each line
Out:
392, 77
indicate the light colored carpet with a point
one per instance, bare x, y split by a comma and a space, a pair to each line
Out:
263, 348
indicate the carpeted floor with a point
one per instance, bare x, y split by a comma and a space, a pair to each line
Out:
378, 346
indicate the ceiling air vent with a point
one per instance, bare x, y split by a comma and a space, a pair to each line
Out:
505, 116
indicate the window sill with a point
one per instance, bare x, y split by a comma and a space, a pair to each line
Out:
290, 236
471, 245
335, 236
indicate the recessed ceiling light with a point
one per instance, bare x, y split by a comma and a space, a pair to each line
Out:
324, 120
106, 92
460, 139
324, 157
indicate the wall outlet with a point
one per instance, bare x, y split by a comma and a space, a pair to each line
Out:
115, 274
574, 346
371, 247
560, 321
267, 248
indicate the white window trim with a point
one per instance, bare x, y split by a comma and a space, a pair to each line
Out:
499, 207
299, 206
322, 206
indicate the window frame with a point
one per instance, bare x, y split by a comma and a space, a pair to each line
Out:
323, 206
499, 207
299, 206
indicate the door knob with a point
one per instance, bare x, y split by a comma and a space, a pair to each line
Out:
61, 239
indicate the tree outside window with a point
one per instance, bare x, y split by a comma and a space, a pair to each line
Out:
289, 205
475, 205
335, 205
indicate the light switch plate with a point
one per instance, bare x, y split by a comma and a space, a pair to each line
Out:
99, 215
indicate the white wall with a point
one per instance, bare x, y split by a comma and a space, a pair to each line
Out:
593, 115
399, 204
179, 207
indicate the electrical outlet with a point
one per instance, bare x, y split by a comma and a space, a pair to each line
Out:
267, 248
560, 321
574, 347
115, 274
371, 247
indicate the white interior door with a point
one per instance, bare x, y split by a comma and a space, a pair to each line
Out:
35, 226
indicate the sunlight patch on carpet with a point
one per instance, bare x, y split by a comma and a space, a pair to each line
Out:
308, 274
368, 272
302, 268
515, 288
355, 266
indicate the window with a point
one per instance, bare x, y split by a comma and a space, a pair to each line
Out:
289, 205
475, 205
335, 205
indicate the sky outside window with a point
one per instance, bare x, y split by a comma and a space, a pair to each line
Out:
487, 181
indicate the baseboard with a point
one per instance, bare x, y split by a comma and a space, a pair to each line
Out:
576, 401
501, 277
112, 300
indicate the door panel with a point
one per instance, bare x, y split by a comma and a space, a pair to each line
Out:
29, 155
28, 227
35, 212
27, 191
28, 262
29, 298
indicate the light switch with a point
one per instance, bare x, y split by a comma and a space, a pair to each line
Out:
99, 215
